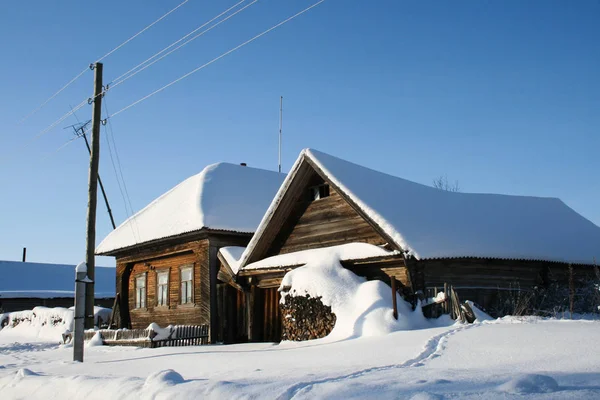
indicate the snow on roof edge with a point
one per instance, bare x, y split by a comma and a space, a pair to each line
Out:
373, 215
345, 252
209, 213
232, 256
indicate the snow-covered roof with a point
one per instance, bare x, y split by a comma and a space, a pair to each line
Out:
433, 223
38, 280
232, 255
223, 196
343, 252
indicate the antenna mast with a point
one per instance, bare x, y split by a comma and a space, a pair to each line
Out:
280, 127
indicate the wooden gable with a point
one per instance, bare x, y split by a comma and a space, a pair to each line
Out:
300, 222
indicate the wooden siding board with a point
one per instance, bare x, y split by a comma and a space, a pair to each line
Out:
325, 222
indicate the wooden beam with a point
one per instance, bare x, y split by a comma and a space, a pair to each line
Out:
394, 301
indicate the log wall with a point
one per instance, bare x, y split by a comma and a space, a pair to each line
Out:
481, 280
325, 222
170, 259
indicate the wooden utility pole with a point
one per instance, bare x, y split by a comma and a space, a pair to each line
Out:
93, 195
87, 144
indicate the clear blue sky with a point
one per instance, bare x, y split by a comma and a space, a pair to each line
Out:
502, 96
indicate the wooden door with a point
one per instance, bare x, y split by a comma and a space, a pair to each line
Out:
271, 328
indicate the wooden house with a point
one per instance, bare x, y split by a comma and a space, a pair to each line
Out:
166, 254
25, 285
422, 236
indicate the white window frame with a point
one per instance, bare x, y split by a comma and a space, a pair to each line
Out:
165, 297
189, 289
141, 298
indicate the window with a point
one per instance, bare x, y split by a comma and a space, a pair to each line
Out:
140, 291
187, 287
318, 192
162, 289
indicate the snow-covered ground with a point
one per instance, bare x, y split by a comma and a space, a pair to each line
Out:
510, 358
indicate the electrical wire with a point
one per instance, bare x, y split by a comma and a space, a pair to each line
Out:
100, 59
53, 96
140, 32
117, 166
216, 58
117, 79
68, 142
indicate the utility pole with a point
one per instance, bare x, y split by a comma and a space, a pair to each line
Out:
280, 128
93, 195
87, 144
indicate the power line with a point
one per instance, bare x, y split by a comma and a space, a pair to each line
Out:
124, 191
100, 59
53, 96
140, 32
68, 142
217, 58
179, 40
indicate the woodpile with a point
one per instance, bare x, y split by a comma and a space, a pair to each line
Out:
306, 318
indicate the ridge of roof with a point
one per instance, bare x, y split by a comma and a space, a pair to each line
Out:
431, 223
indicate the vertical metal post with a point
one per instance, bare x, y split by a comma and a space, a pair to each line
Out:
78, 321
93, 195
280, 128
24, 254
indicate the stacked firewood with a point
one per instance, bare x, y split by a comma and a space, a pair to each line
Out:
306, 318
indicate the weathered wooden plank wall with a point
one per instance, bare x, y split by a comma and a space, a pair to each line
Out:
325, 222
195, 254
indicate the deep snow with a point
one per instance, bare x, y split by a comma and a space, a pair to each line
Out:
481, 361
361, 307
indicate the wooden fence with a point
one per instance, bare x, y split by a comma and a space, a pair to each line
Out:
179, 335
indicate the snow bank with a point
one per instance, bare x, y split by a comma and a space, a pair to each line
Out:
530, 383
43, 323
223, 196
362, 308
95, 341
480, 315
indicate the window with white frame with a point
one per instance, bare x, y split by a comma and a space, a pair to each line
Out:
187, 287
162, 288
140, 291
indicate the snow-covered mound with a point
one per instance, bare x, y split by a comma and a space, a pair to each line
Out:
530, 383
43, 323
222, 197
362, 308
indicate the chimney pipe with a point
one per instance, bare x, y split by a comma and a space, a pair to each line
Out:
24, 254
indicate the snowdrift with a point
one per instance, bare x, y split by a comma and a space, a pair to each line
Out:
43, 323
362, 308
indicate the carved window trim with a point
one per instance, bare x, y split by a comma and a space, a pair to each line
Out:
141, 297
166, 297
186, 292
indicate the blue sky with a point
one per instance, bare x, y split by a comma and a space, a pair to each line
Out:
502, 96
